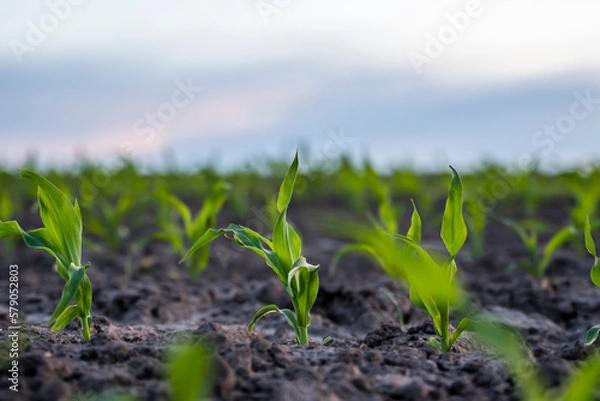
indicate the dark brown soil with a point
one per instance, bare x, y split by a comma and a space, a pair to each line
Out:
371, 356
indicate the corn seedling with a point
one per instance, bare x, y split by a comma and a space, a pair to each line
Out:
581, 385
431, 284
108, 222
61, 237
283, 254
193, 229
594, 332
528, 234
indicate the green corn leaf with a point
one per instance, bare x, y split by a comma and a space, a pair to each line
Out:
303, 286
6, 208
415, 229
286, 242
87, 294
591, 247
463, 325
42, 239
181, 208
425, 302
454, 228
589, 241
281, 241
595, 272
425, 274
265, 310
287, 186
248, 239
60, 218
209, 236
190, 372
76, 274
211, 207
65, 318
521, 232
592, 335
253, 241
295, 243
290, 317
253, 233
9, 229
388, 214
559, 239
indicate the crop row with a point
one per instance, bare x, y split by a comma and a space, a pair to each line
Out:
428, 276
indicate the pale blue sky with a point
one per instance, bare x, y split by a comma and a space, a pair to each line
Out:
275, 74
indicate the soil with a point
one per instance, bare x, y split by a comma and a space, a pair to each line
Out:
371, 355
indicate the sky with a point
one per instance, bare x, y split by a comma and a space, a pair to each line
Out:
402, 82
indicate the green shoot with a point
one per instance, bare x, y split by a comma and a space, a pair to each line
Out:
193, 229
283, 254
582, 385
189, 372
108, 222
538, 264
61, 237
432, 285
7, 207
594, 332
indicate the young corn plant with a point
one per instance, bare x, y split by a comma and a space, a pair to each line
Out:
108, 222
537, 263
193, 229
283, 254
582, 384
61, 237
594, 332
432, 285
